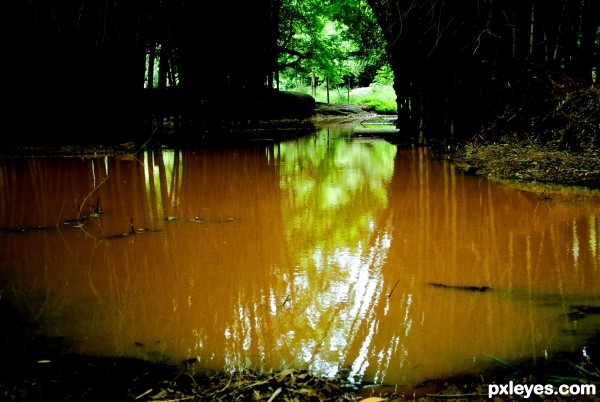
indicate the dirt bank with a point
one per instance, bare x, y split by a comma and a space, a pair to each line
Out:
551, 135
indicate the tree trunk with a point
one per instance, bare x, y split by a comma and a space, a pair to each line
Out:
590, 20
151, 58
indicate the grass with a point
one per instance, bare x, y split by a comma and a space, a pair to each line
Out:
380, 99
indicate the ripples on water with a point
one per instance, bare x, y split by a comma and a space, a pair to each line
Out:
319, 252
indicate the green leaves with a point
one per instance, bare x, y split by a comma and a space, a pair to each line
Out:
336, 39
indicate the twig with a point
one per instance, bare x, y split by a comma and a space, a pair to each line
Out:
148, 140
277, 392
287, 298
390, 295
185, 398
88, 196
144, 394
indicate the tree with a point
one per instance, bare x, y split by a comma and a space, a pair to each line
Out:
456, 65
94, 52
337, 39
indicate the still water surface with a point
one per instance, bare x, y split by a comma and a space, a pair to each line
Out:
316, 253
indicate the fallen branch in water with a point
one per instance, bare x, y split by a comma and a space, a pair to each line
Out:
469, 288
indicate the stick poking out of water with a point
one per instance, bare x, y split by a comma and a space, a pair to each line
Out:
393, 288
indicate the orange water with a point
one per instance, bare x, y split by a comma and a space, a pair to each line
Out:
317, 253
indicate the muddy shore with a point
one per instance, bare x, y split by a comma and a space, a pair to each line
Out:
551, 137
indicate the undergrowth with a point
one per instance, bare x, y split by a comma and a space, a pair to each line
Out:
380, 99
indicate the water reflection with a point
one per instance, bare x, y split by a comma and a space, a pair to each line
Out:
319, 252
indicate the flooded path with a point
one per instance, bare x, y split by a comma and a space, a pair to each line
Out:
327, 252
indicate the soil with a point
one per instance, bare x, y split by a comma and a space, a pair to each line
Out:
551, 136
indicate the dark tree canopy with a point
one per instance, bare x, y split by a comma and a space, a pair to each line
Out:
80, 67
457, 62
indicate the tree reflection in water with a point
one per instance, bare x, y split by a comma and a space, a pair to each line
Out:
316, 253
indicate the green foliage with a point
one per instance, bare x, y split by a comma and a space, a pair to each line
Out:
385, 75
335, 40
504, 363
380, 99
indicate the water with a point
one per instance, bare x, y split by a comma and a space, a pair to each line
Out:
319, 253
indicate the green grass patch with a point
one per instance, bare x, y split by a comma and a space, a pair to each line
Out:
380, 99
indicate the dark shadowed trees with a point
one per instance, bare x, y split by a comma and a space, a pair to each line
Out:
69, 66
456, 63
79, 67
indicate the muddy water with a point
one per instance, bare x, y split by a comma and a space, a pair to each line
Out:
325, 252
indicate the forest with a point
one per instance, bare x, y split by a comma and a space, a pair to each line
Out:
81, 72
94, 70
